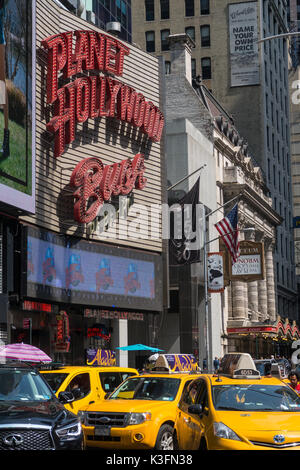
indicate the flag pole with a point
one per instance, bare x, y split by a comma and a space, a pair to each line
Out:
186, 177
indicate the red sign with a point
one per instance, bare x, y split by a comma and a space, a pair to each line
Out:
92, 96
62, 342
96, 183
38, 306
253, 329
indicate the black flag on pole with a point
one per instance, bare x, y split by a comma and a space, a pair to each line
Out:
184, 229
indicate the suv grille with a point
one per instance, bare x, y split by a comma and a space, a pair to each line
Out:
106, 419
25, 439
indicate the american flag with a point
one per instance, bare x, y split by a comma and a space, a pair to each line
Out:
227, 228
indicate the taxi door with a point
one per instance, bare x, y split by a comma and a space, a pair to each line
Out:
84, 381
188, 425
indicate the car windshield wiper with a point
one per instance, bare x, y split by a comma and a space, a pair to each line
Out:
229, 408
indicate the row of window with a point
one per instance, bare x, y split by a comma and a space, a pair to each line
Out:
189, 6
164, 34
205, 68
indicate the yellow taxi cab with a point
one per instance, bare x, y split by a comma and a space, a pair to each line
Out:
88, 383
238, 409
140, 413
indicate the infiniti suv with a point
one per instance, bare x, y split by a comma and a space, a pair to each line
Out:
31, 417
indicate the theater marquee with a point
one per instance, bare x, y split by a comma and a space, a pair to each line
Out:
250, 264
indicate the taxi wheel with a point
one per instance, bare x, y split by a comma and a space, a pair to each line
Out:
165, 438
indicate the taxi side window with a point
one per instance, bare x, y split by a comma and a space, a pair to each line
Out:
202, 398
190, 394
82, 382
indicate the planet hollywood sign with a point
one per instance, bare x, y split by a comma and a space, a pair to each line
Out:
93, 96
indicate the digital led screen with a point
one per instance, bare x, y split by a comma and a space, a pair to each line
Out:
17, 109
76, 271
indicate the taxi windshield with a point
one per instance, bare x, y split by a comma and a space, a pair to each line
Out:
147, 388
23, 386
252, 397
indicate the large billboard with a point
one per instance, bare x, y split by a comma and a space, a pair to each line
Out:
17, 110
243, 35
64, 269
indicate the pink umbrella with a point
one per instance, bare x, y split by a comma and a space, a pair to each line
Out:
23, 352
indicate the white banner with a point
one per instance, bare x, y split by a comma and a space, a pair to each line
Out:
215, 272
243, 33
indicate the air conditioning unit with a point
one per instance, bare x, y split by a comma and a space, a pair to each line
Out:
113, 27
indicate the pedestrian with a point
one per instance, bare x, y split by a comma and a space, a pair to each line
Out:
204, 364
216, 364
294, 381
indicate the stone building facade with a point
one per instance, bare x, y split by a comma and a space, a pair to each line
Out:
260, 106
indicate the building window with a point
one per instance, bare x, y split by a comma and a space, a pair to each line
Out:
204, 7
206, 68
191, 32
164, 9
167, 67
164, 35
150, 41
205, 35
149, 6
193, 62
189, 8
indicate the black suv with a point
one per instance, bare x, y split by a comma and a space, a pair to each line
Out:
31, 417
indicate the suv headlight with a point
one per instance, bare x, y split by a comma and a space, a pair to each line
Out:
81, 416
223, 431
67, 433
137, 418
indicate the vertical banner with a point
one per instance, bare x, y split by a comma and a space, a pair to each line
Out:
243, 35
215, 272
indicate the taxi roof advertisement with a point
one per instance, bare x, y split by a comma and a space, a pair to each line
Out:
98, 112
17, 104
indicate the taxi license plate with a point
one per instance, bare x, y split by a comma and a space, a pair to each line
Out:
102, 431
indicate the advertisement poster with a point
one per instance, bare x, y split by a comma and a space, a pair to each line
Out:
243, 35
16, 103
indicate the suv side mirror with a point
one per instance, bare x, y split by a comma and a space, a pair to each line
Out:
66, 397
195, 409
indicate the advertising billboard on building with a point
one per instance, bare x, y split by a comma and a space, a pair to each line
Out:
99, 130
17, 103
243, 35
78, 272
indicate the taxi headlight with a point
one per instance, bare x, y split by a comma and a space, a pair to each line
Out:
137, 418
67, 433
223, 431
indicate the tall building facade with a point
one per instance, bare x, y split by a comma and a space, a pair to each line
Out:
250, 79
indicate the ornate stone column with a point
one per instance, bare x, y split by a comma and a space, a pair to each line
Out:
252, 289
238, 300
262, 293
269, 264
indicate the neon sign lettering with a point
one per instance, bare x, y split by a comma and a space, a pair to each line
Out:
96, 183
92, 96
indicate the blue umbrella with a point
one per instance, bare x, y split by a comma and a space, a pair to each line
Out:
138, 347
